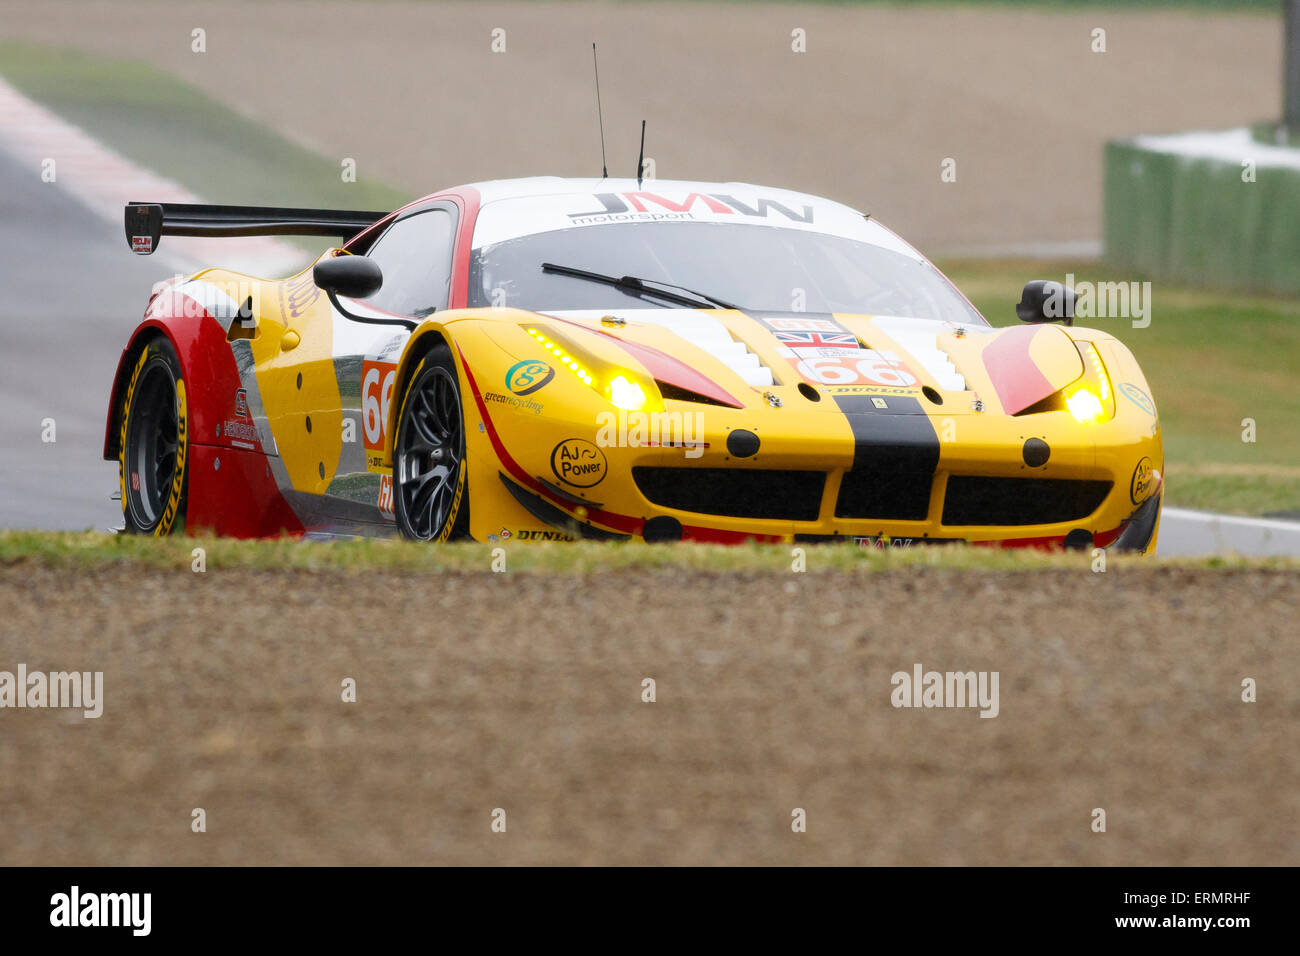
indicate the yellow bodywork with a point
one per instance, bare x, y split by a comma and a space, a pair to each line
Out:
799, 434
562, 438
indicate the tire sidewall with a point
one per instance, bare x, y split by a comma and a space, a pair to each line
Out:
457, 521
157, 352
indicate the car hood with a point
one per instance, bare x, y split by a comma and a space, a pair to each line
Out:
1007, 369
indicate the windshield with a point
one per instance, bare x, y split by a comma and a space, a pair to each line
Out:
760, 268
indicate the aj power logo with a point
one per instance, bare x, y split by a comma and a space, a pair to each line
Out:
578, 462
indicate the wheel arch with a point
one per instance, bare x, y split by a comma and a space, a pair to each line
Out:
206, 361
145, 333
412, 366
425, 338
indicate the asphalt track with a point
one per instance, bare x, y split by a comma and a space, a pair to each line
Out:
70, 294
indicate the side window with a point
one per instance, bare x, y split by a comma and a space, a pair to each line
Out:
415, 256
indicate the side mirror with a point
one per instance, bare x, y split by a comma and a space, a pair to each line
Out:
356, 277
1046, 301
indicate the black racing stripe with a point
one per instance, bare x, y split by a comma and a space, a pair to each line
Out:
895, 453
899, 434
896, 448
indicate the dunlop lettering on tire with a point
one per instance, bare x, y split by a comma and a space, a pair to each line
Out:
121, 436
178, 478
153, 443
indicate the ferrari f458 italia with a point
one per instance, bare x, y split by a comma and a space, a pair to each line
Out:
556, 358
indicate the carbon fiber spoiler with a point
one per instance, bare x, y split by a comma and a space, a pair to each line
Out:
146, 223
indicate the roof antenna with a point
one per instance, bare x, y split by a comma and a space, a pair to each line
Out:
604, 169
640, 160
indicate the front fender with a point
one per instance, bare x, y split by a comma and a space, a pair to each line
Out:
426, 335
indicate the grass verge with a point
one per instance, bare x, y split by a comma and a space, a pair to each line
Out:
89, 551
1213, 359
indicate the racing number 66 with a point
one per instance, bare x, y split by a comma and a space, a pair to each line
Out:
879, 368
375, 399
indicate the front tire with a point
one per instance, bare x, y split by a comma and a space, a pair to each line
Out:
153, 443
429, 498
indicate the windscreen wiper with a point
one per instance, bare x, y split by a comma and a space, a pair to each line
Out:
634, 286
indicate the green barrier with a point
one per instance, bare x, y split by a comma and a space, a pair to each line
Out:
1193, 219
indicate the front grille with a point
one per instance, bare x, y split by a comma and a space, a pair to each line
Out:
972, 500
898, 494
734, 492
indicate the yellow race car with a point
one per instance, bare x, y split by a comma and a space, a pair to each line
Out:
556, 358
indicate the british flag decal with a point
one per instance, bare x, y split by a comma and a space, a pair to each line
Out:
818, 339
826, 353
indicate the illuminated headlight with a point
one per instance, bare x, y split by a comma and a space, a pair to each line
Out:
626, 395
1085, 406
1091, 399
556, 350
620, 385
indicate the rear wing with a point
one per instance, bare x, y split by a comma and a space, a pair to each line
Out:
146, 223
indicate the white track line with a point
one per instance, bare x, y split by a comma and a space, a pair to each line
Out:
1184, 532
106, 181
1271, 524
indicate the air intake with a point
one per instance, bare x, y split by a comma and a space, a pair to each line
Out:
734, 492
978, 501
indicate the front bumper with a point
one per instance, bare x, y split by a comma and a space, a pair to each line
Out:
891, 467
796, 489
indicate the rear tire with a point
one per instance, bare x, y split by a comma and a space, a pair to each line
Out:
153, 443
430, 501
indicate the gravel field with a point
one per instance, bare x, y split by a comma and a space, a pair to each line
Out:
521, 691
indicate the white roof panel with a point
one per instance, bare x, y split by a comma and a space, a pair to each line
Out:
520, 207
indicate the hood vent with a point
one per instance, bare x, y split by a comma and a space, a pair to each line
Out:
923, 346
709, 335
